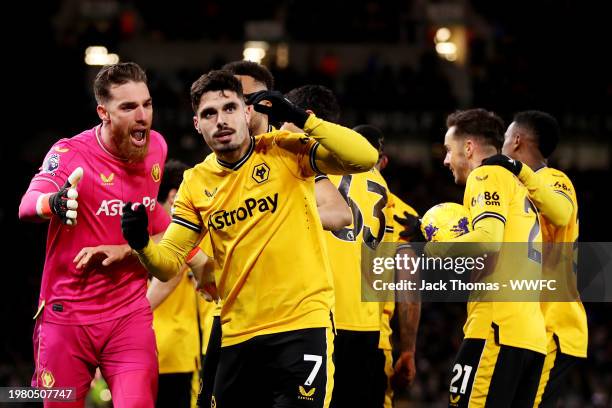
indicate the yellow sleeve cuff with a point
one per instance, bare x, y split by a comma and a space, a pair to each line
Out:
164, 260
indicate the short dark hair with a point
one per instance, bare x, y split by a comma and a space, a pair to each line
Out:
478, 122
173, 176
116, 74
317, 98
373, 135
218, 80
256, 71
544, 127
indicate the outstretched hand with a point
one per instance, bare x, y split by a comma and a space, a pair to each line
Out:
102, 255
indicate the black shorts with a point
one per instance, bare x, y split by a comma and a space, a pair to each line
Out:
360, 379
281, 370
209, 364
174, 390
486, 374
557, 365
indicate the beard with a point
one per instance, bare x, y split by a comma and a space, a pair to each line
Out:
236, 142
127, 150
226, 148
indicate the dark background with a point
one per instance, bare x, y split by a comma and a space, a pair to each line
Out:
378, 57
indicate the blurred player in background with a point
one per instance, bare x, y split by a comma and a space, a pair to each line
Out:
358, 322
260, 217
409, 310
175, 307
530, 139
92, 310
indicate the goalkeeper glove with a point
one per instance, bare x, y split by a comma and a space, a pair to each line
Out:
63, 203
412, 227
513, 166
282, 109
134, 223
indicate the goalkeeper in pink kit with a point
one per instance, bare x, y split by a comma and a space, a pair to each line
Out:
92, 307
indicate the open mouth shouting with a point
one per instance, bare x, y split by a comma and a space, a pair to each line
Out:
139, 137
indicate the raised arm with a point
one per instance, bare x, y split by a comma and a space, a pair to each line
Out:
341, 150
553, 204
556, 207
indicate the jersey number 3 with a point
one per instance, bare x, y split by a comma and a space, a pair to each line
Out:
351, 234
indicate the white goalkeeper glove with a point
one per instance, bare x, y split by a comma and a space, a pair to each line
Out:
63, 203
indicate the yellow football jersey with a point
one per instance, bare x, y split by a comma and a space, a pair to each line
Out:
397, 208
367, 196
565, 319
175, 323
271, 266
492, 191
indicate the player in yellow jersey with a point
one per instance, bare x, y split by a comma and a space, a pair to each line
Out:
333, 211
408, 310
357, 358
175, 320
503, 351
255, 200
254, 77
530, 140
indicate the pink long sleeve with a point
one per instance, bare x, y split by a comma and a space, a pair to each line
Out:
38, 186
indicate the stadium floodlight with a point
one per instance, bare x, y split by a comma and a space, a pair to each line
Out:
443, 34
446, 48
255, 51
451, 43
99, 55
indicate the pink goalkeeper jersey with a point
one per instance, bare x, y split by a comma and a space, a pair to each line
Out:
96, 295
